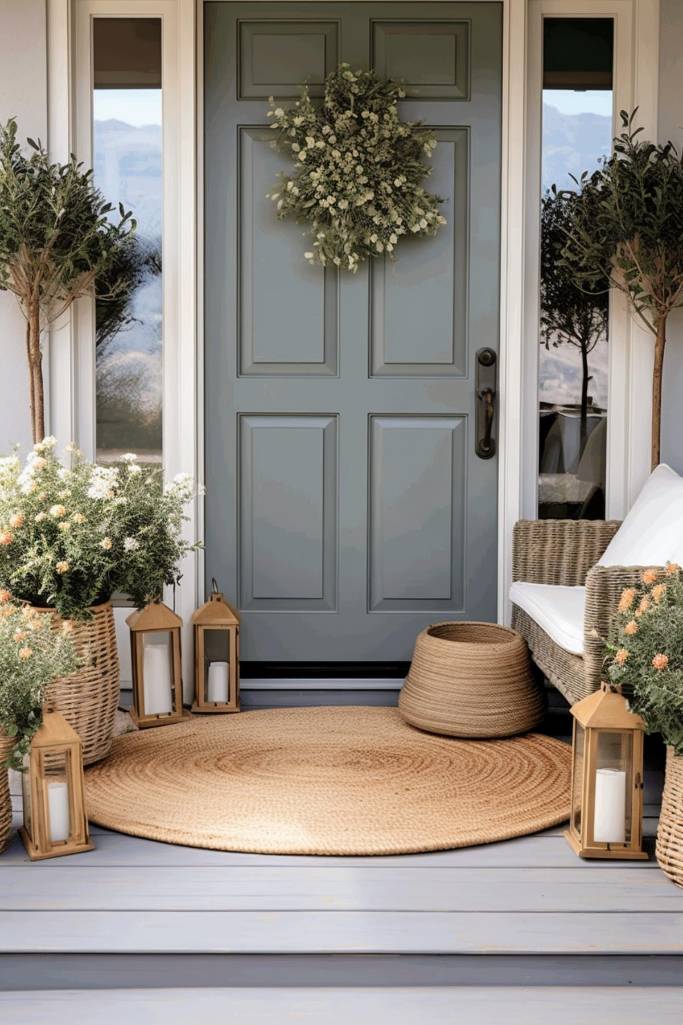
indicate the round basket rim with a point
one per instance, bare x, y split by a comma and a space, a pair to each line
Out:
506, 634
101, 607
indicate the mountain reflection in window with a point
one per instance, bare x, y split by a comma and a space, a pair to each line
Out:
127, 160
573, 363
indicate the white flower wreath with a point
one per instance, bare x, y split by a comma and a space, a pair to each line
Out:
360, 169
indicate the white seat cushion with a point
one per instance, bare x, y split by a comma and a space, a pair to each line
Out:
557, 609
652, 532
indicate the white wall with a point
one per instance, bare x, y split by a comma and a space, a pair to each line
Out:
671, 127
23, 93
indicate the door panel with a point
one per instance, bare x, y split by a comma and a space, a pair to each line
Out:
276, 285
417, 467
288, 530
431, 278
346, 507
275, 57
430, 58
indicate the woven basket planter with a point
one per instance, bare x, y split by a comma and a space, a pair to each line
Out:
6, 745
88, 699
471, 680
670, 829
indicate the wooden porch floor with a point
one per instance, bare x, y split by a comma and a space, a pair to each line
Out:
524, 915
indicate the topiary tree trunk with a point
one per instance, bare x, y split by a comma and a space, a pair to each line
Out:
657, 376
35, 372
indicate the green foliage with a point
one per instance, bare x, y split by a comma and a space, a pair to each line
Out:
645, 652
132, 264
572, 313
32, 654
56, 235
626, 223
71, 536
359, 174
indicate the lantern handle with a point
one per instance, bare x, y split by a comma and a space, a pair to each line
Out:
214, 586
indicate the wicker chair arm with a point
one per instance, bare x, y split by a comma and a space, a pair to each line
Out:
604, 585
559, 551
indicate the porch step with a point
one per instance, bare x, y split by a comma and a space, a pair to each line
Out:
369, 1006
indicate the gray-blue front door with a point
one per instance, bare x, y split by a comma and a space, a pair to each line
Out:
346, 505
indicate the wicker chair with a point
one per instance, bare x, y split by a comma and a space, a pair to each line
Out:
565, 552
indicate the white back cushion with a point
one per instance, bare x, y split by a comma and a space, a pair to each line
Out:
652, 533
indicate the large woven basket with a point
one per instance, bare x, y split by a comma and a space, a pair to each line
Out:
6, 745
670, 829
471, 680
88, 699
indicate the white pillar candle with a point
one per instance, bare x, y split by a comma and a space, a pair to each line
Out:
218, 682
58, 807
157, 679
609, 824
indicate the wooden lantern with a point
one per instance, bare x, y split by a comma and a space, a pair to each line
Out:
216, 656
157, 667
55, 822
607, 778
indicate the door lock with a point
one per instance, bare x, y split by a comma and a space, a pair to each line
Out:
486, 403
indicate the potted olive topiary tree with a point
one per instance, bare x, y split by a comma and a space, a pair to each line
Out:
57, 239
626, 224
573, 312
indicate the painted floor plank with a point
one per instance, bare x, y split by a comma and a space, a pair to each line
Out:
370, 1006
359, 932
51, 887
116, 850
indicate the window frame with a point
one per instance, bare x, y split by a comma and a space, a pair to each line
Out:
636, 43
71, 387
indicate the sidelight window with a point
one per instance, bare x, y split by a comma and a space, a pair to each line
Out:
127, 159
577, 130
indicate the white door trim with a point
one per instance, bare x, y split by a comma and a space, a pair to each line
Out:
71, 365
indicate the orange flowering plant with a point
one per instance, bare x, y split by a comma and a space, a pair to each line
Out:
645, 651
32, 654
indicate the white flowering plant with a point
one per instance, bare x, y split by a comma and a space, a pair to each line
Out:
32, 654
73, 533
360, 169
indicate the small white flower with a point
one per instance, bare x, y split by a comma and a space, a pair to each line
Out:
130, 544
129, 457
46, 445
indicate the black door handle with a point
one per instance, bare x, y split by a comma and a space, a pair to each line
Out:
486, 403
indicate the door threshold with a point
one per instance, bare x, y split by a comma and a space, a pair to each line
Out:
322, 683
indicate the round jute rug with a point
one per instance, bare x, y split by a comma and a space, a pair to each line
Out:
326, 781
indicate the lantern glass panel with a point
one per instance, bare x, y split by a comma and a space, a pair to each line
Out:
613, 815
157, 672
577, 786
217, 680
56, 796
